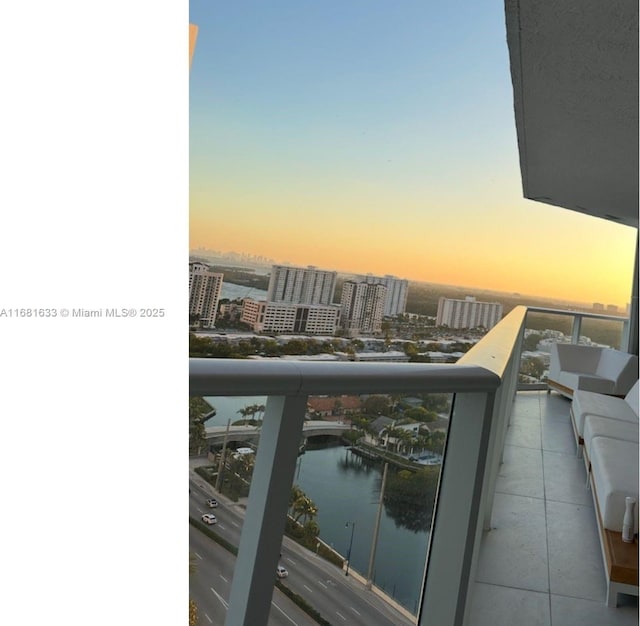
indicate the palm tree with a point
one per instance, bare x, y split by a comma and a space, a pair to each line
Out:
295, 496
301, 505
307, 509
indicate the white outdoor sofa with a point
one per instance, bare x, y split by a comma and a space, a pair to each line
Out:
606, 430
600, 370
590, 403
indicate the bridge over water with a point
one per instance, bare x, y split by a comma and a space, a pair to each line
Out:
244, 432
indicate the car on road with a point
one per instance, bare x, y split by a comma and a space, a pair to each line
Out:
281, 572
212, 503
209, 518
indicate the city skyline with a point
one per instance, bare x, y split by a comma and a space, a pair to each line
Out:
471, 289
364, 139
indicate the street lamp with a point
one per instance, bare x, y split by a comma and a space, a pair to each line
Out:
353, 527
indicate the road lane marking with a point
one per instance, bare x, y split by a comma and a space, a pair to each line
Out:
291, 561
210, 620
308, 588
341, 616
236, 525
221, 527
217, 595
223, 578
322, 584
356, 612
281, 611
197, 554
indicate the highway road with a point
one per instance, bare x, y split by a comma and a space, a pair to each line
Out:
340, 599
210, 586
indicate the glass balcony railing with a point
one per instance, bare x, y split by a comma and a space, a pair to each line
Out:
544, 327
482, 384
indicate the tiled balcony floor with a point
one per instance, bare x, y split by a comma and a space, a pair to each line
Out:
540, 564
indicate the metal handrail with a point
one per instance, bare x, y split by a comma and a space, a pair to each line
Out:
240, 377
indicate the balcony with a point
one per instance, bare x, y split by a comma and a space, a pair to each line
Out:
513, 535
540, 563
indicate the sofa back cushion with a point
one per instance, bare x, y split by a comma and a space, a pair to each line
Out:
576, 358
621, 367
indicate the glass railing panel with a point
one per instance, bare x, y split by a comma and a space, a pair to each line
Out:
608, 333
381, 543
544, 328
336, 511
541, 330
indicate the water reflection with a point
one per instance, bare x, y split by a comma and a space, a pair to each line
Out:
346, 488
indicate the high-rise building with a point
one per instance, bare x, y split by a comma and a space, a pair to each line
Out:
362, 307
204, 293
468, 313
301, 285
397, 290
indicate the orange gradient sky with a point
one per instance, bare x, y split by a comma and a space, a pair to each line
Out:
392, 151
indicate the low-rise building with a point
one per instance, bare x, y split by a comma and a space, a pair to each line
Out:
278, 317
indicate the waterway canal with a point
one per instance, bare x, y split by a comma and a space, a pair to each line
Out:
347, 490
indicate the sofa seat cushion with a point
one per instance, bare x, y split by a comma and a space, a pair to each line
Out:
588, 402
588, 382
614, 471
595, 426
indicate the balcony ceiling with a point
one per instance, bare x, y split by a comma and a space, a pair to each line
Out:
574, 68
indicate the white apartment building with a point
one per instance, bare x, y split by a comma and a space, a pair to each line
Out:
280, 318
362, 307
253, 313
468, 313
204, 293
301, 285
397, 290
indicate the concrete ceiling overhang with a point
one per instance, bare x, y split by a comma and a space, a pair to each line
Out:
574, 68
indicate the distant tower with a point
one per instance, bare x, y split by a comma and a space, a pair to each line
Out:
397, 290
362, 307
301, 285
468, 313
204, 293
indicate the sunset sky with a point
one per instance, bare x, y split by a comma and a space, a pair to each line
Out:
377, 136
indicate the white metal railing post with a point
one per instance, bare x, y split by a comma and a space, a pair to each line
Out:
576, 328
260, 542
453, 541
625, 336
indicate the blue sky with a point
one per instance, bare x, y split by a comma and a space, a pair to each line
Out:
389, 126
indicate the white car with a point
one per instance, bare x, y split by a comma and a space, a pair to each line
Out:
209, 518
281, 572
212, 503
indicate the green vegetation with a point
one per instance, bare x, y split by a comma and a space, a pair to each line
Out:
533, 367
410, 495
193, 607
242, 277
207, 347
199, 408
